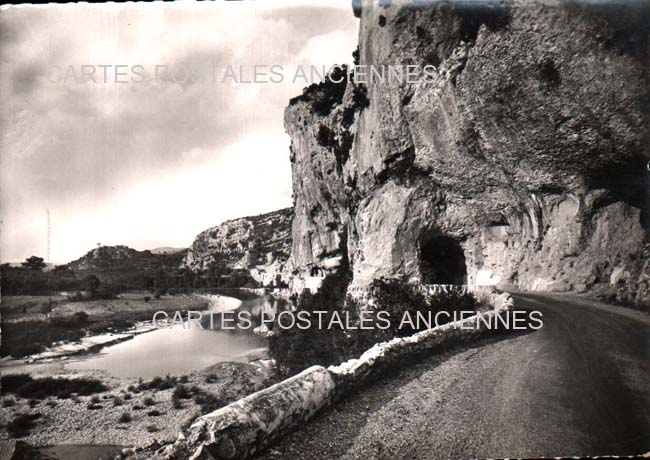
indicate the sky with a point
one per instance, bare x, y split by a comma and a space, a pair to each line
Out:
174, 141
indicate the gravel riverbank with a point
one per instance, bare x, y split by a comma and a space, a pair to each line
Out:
151, 414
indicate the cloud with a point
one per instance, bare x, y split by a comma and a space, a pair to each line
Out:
85, 150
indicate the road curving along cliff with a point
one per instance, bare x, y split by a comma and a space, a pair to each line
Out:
575, 387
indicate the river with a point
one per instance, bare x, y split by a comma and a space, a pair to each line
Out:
180, 349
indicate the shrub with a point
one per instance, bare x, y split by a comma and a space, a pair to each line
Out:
93, 406
208, 402
399, 298
296, 349
80, 317
125, 417
47, 307
152, 428
360, 96
211, 378
76, 320
8, 402
158, 383
22, 424
154, 413
117, 401
20, 351
76, 297
25, 386
182, 392
176, 403
11, 382
325, 136
149, 402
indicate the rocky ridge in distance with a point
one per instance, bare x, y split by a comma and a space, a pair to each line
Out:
260, 244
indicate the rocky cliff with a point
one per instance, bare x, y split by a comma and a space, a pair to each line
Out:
260, 244
521, 163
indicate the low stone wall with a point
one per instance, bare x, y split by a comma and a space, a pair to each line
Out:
366, 294
372, 362
245, 427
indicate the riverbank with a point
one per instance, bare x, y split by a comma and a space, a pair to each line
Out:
132, 412
37, 325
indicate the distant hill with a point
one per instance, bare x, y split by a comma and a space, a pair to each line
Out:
124, 258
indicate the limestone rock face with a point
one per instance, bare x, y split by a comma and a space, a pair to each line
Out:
523, 159
260, 244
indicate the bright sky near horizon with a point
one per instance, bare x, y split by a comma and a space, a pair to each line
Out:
149, 163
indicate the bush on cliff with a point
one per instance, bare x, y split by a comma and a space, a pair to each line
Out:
326, 95
399, 298
296, 349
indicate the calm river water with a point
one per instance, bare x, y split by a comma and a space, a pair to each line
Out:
178, 350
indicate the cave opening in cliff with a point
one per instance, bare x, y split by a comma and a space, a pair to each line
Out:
442, 260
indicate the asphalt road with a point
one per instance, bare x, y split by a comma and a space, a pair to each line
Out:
578, 386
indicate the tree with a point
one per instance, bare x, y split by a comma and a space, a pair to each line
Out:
91, 282
188, 278
34, 263
160, 281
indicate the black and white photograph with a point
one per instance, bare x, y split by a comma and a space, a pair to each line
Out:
325, 229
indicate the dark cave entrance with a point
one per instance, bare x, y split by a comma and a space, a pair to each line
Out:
442, 260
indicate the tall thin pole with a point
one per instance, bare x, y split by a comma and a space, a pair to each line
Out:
49, 234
